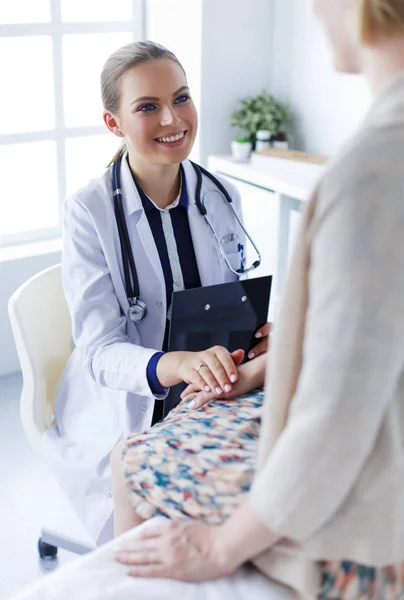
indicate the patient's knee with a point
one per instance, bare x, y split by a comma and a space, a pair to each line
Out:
116, 456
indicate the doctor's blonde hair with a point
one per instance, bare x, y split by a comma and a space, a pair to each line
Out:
381, 18
118, 64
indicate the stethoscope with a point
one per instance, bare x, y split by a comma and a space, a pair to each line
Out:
137, 311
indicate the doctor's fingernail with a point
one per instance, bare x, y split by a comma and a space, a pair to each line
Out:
227, 388
192, 404
251, 355
258, 335
206, 388
218, 390
233, 378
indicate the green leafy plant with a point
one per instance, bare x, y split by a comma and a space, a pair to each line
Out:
263, 112
242, 139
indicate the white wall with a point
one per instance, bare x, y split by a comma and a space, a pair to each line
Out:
328, 106
236, 62
225, 47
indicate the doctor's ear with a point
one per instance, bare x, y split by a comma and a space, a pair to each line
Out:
112, 124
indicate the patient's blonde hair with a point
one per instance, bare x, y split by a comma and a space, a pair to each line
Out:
380, 17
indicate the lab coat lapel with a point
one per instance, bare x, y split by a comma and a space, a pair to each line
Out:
149, 246
202, 237
136, 217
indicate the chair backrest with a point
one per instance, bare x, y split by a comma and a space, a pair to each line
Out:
41, 327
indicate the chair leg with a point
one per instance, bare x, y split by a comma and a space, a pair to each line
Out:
56, 540
47, 551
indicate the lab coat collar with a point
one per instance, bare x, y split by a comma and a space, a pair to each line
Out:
131, 199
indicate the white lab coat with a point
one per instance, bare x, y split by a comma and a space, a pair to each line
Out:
103, 395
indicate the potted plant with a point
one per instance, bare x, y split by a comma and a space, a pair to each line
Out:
263, 112
241, 148
281, 130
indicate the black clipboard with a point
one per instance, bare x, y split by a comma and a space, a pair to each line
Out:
226, 314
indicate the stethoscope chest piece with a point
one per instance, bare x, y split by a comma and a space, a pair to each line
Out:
137, 311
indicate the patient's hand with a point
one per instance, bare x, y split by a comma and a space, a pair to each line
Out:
263, 334
188, 551
251, 376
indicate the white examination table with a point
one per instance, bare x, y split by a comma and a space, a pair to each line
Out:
97, 576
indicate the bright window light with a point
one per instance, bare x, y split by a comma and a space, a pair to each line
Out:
95, 10
32, 204
84, 56
52, 136
87, 157
26, 72
14, 12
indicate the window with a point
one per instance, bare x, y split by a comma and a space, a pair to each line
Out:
52, 137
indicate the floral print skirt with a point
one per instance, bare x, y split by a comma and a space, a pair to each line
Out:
349, 581
199, 464
196, 464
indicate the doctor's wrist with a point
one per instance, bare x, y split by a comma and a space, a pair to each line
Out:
169, 366
151, 374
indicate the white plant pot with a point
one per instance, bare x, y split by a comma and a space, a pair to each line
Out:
241, 150
280, 145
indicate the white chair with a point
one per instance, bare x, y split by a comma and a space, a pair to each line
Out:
41, 328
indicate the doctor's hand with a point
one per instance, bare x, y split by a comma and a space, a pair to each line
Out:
251, 375
213, 370
263, 334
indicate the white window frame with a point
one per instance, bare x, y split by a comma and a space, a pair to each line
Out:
56, 29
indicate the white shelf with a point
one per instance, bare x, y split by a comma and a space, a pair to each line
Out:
272, 218
291, 178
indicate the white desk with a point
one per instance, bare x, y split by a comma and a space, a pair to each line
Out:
273, 192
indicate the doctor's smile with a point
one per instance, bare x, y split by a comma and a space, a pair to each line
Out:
172, 140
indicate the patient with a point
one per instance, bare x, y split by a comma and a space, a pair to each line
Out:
196, 464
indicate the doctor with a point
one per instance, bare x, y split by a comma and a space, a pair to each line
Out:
118, 369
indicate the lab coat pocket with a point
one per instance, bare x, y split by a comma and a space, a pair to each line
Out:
234, 259
230, 243
89, 416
